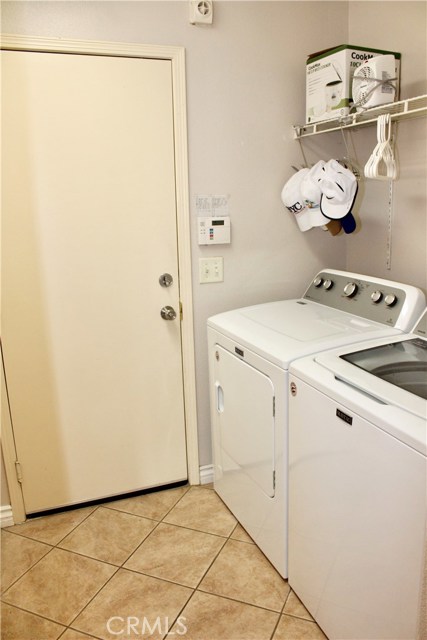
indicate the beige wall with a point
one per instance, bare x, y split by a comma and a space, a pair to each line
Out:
245, 88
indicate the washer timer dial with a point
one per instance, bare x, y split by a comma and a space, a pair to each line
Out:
390, 300
376, 296
328, 284
350, 289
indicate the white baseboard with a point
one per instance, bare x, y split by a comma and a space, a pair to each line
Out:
6, 516
206, 474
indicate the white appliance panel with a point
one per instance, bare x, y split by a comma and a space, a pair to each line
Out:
245, 412
254, 495
357, 520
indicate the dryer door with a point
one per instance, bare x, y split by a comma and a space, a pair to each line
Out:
244, 407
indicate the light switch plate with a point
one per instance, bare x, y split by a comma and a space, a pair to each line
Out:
211, 270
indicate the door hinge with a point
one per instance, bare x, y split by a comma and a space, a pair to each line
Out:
274, 406
180, 310
18, 471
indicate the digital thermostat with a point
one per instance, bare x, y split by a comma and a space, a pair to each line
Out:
214, 230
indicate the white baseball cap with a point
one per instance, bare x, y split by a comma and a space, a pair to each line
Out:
339, 190
310, 186
311, 193
294, 202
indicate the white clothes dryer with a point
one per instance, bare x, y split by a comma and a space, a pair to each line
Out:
250, 351
357, 486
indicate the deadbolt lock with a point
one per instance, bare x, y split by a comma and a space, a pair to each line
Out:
165, 280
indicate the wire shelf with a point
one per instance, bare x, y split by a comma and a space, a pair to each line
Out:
402, 110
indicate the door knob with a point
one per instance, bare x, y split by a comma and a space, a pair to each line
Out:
165, 280
168, 313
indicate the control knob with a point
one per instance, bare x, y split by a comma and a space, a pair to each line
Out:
376, 296
350, 289
328, 284
317, 282
390, 300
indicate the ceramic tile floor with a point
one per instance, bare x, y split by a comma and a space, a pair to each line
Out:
173, 564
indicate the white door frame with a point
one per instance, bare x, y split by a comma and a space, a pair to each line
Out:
177, 57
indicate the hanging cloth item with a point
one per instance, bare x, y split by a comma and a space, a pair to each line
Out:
322, 196
311, 193
301, 196
339, 190
294, 202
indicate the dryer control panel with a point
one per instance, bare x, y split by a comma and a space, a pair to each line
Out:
394, 304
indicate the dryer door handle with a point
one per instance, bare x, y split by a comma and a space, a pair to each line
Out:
219, 397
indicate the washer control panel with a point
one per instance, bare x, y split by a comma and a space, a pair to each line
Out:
370, 298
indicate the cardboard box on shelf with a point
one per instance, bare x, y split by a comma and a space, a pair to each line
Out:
329, 78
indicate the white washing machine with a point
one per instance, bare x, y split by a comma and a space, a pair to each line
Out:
357, 486
250, 351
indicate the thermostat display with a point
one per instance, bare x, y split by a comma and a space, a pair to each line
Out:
214, 230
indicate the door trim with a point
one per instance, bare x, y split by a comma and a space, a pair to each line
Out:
177, 57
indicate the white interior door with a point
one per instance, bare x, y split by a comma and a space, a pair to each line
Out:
94, 373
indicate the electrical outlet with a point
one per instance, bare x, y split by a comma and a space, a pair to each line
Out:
211, 270
201, 11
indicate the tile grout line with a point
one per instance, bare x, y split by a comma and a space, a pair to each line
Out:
281, 612
258, 606
36, 615
226, 538
158, 522
55, 546
208, 533
180, 612
76, 616
3, 593
121, 566
77, 525
249, 604
21, 535
194, 589
139, 516
197, 588
94, 596
118, 568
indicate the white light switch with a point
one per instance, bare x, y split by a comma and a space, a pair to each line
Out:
211, 270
